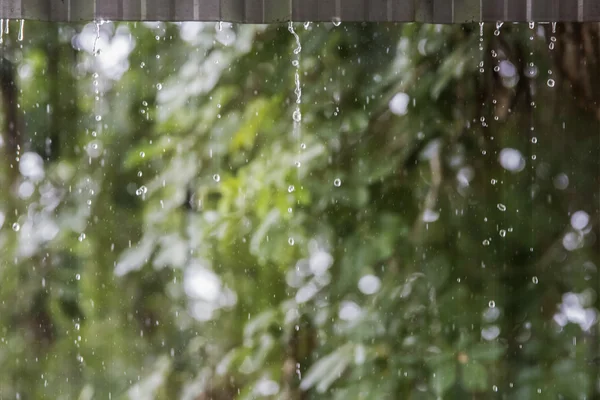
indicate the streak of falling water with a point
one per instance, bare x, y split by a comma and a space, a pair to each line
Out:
481, 26
551, 82
297, 115
481, 62
21, 30
2, 30
7, 27
95, 48
498, 26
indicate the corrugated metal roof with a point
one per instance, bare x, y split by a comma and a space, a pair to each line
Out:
268, 11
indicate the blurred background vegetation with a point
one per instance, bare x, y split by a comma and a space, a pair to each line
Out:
422, 224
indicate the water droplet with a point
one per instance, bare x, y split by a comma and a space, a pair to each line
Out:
298, 164
486, 242
142, 154
141, 191
16, 227
216, 177
551, 82
81, 237
535, 280
337, 182
291, 241
534, 140
336, 21
291, 188
501, 207
139, 174
78, 277
159, 86
290, 210
303, 146
21, 30
297, 115
493, 181
492, 304
98, 118
502, 233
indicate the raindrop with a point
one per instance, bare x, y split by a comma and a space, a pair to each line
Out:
142, 154
337, 182
303, 146
486, 242
290, 210
81, 237
534, 140
298, 164
535, 280
502, 233
139, 174
291, 188
501, 207
216, 177
141, 191
493, 181
98, 118
159, 86
16, 227
297, 115
336, 21
291, 241
551, 83
492, 304
78, 277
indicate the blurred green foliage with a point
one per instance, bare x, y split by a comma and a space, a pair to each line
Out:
428, 230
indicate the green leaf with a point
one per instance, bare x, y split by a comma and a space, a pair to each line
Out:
487, 351
474, 377
259, 324
443, 378
327, 370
